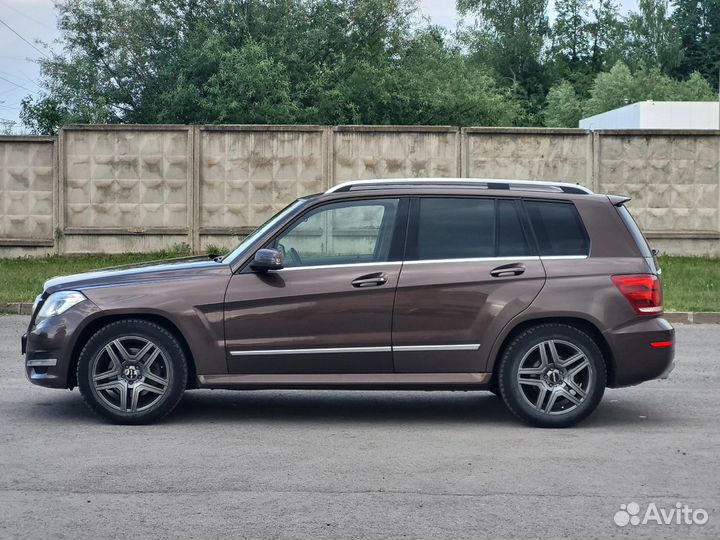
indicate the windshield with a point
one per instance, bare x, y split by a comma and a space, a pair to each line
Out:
262, 229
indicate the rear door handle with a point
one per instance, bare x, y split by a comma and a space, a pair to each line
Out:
370, 280
507, 270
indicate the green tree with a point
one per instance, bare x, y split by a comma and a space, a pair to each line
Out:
570, 32
620, 87
508, 37
607, 35
653, 39
260, 61
698, 24
564, 108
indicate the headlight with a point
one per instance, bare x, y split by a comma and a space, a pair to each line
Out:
58, 303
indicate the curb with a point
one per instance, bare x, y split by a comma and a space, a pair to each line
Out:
16, 308
693, 317
674, 317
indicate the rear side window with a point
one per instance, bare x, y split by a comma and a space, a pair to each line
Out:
467, 228
510, 238
558, 228
452, 228
635, 232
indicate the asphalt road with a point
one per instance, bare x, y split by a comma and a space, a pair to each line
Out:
334, 465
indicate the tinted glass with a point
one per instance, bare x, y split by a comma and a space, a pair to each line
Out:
558, 228
342, 233
635, 232
511, 240
452, 228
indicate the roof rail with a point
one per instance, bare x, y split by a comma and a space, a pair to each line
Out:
529, 185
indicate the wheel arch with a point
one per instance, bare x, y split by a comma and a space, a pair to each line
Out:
580, 323
97, 323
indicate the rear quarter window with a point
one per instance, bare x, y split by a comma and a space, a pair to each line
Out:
558, 228
635, 232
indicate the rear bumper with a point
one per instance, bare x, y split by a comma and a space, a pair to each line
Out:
635, 358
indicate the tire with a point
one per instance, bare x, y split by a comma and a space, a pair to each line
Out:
552, 375
132, 371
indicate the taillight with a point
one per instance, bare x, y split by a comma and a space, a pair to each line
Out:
642, 291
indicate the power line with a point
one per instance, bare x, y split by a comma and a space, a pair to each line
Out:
25, 40
19, 72
18, 85
28, 17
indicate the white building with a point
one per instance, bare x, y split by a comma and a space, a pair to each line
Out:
658, 115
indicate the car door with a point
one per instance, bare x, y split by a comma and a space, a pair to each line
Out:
470, 268
329, 310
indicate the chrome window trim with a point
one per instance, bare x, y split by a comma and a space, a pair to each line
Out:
562, 257
342, 350
42, 362
474, 259
438, 261
292, 268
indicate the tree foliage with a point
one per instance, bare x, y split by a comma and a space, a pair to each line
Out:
369, 61
698, 24
564, 108
269, 61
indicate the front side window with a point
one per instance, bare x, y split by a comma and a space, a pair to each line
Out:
558, 228
341, 233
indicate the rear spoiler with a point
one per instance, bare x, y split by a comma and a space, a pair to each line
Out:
618, 200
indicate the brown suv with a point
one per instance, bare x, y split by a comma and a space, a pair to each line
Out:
544, 293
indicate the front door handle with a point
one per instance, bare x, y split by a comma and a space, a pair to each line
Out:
370, 280
507, 270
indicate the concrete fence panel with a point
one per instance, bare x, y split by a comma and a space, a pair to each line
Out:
248, 173
363, 152
27, 192
146, 187
672, 178
124, 182
527, 153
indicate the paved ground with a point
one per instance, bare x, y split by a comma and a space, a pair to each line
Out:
343, 464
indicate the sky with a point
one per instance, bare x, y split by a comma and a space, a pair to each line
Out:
35, 20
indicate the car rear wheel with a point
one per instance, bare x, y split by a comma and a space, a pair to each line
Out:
132, 372
552, 375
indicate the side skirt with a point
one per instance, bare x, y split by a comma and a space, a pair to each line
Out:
349, 381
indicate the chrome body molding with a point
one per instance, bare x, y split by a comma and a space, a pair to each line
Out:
458, 347
344, 350
326, 350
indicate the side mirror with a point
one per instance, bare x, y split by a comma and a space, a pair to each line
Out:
267, 259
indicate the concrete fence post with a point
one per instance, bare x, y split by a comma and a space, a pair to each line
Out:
194, 156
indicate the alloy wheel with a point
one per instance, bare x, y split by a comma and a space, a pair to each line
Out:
130, 374
555, 376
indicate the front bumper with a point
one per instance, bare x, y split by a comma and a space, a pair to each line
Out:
48, 346
635, 358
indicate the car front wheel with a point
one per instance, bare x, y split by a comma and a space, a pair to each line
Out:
552, 375
132, 372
